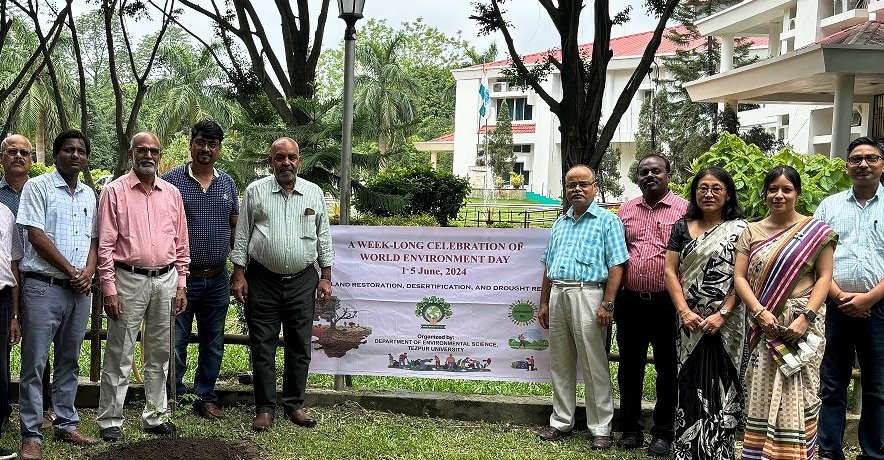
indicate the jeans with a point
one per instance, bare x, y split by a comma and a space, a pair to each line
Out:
207, 300
642, 319
844, 336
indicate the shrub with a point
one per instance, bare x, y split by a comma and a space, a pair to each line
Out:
415, 220
426, 191
821, 176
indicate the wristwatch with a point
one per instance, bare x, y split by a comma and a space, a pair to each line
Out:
608, 305
810, 314
724, 312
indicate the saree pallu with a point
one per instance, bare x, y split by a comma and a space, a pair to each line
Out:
710, 392
782, 412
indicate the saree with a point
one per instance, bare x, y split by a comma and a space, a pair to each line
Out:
710, 392
782, 411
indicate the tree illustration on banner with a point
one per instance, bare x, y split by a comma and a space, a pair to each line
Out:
339, 336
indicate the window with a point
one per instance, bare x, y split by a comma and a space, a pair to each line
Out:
521, 148
877, 126
519, 108
519, 168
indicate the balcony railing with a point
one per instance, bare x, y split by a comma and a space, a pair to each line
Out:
842, 6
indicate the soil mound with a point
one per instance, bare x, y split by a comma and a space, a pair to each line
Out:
182, 449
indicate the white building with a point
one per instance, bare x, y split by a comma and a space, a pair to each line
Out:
822, 84
536, 135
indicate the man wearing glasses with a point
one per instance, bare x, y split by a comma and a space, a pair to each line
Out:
16, 160
855, 311
584, 264
282, 235
645, 313
212, 207
143, 258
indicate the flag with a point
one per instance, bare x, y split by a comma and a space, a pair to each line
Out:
485, 99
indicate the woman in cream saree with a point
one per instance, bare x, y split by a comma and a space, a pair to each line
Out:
783, 273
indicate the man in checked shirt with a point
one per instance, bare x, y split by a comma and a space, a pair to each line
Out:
644, 312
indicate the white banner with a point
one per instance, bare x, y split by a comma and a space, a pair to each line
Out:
434, 302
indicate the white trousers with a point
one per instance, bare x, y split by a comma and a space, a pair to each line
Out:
147, 298
574, 335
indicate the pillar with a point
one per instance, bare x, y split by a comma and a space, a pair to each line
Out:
841, 114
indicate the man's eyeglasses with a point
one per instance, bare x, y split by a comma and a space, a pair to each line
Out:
576, 185
202, 143
140, 150
870, 159
702, 190
12, 151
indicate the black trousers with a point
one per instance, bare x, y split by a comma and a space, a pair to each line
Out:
5, 318
643, 319
272, 303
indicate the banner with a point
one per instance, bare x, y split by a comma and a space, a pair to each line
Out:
434, 302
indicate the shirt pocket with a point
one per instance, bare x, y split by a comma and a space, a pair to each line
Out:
664, 230
308, 227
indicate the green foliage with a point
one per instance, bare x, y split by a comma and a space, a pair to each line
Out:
414, 220
500, 144
426, 191
608, 175
821, 176
38, 168
764, 140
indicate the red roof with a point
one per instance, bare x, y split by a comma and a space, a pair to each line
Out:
446, 138
517, 128
866, 33
626, 46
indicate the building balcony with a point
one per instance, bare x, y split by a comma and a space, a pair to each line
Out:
847, 13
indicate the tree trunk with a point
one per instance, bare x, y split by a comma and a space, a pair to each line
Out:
40, 139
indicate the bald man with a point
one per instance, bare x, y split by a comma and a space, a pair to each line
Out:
143, 258
281, 238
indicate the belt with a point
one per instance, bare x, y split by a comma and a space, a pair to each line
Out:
279, 276
647, 295
206, 272
144, 271
63, 282
580, 284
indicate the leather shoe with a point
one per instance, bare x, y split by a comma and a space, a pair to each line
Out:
76, 438
659, 447
31, 450
602, 442
163, 429
210, 411
263, 421
631, 440
111, 434
299, 417
551, 434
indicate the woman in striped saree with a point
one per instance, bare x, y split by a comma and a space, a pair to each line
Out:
782, 274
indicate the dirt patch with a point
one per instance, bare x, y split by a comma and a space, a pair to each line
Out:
182, 449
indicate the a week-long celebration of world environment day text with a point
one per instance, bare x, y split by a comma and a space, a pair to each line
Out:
436, 303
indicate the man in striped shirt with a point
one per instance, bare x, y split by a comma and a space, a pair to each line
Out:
281, 236
645, 313
584, 264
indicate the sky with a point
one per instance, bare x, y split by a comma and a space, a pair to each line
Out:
533, 31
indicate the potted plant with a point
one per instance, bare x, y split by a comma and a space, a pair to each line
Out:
516, 180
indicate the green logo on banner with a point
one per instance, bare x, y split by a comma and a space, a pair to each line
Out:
433, 309
523, 312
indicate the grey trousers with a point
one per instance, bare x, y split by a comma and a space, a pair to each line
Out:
147, 298
50, 314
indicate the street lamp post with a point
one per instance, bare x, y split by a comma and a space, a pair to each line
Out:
350, 11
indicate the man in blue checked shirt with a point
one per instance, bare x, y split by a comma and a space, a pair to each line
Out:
60, 259
854, 312
212, 208
584, 263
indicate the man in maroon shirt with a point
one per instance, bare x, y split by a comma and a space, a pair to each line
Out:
644, 313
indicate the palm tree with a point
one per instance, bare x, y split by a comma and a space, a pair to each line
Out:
475, 57
190, 90
385, 92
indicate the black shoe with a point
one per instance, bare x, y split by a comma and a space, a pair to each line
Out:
631, 440
163, 429
659, 448
112, 434
6, 454
552, 434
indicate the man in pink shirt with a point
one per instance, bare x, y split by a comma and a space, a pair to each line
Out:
644, 312
143, 258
